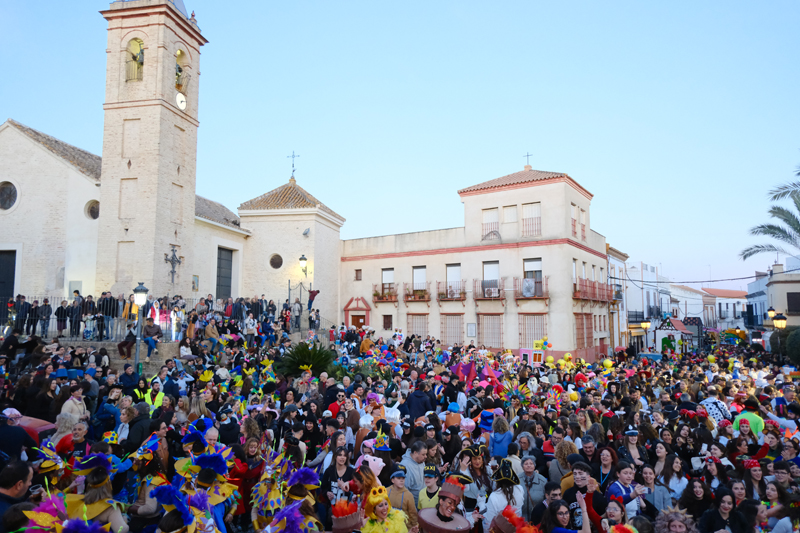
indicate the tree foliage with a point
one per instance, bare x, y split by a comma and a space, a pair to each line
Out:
318, 358
786, 231
793, 346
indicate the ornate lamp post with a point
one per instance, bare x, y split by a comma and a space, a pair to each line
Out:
646, 327
139, 298
303, 262
779, 321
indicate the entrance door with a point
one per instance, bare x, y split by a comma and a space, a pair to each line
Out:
224, 272
8, 262
357, 320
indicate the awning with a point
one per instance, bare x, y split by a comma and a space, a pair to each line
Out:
636, 332
677, 324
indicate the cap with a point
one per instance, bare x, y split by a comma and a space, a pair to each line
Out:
574, 458
91, 372
431, 373
12, 413
429, 427
632, 432
431, 470
127, 366
399, 471
327, 414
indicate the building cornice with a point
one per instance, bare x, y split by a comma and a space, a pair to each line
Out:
565, 179
223, 226
467, 249
338, 221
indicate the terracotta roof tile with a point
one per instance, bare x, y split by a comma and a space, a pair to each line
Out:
87, 163
725, 293
524, 176
288, 196
216, 212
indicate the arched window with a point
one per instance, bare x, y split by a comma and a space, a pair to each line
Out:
134, 66
182, 74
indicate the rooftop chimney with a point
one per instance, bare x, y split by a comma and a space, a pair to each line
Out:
528, 167
777, 268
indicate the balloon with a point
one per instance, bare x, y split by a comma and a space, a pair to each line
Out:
549, 346
544, 338
573, 396
711, 358
549, 359
607, 363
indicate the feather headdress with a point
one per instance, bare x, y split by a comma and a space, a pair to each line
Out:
192, 436
172, 498
90, 462
76, 525
214, 461
306, 477
52, 461
287, 520
148, 447
47, 515
520, 391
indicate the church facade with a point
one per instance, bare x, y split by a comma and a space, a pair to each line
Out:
525, 265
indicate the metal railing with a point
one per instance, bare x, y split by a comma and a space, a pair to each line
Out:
654, 311
384, 292
490, 231
451, 290
583, 232
489, 289
532, 227
635, 317
574, 228
417, 292
530, 288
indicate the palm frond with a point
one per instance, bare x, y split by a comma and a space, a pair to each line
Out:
318, 358
776, 232
786, 190
756, 249
786, 216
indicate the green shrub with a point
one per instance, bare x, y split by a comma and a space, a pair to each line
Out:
318, 358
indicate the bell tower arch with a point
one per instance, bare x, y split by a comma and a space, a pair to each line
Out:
147, 186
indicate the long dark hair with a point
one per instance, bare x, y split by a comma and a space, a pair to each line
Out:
507, 487
668, 472
481, 478
550, 519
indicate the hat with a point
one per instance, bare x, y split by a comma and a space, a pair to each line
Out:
506, 471
429, 427
431, 373
751, 404
60, 373
382, 442
574, 458
474, 450
91, 372
399, 471
453, 488
431, 470
327, 414
291, 408
750, 463
508, 521
376, 496
126, 366
725, 423
632, 432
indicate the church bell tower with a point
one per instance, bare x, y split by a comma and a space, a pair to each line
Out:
147, 192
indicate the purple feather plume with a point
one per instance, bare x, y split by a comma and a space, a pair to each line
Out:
77, 525
304, 476
90, 462
199, 501
294, 520
169, 495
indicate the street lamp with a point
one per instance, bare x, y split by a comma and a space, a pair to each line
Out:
303, 262
646, 327
139, 298
779, 321
771, 312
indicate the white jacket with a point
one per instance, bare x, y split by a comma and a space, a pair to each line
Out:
497, 502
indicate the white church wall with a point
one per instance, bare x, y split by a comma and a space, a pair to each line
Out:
325, 268
47, 225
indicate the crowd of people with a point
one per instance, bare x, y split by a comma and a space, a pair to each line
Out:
395, 436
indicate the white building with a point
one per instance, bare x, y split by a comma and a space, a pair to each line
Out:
617, 315
731, 306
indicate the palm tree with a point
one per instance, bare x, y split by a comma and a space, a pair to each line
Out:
785, 190
787, 232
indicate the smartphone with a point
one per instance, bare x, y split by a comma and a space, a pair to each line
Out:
704, 448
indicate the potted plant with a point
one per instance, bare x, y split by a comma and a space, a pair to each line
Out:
376, 294
463, 294
442, 295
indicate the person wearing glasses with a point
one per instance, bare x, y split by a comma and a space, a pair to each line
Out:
338, 404
556, 518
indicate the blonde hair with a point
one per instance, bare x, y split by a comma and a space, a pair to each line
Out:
564, 450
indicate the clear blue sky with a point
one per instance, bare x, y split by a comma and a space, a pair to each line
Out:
677, 116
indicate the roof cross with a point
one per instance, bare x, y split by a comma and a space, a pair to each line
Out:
527, 157
293, 158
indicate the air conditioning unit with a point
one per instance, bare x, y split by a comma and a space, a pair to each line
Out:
492, 292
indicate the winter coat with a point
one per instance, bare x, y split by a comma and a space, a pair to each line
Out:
418, 404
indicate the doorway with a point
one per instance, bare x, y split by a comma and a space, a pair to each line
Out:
224, 272
8, 263
357, 320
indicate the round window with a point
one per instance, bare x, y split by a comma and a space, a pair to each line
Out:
93, 209
276, 261
8, 195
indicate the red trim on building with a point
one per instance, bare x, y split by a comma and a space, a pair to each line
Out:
465, 249
359, 302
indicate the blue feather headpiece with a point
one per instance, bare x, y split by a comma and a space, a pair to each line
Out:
148, 447
76, 525
193, 436
306, 477
169, 496
214, 461
199, 501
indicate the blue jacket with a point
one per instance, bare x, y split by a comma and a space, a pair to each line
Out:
498, 443
129, 382
418, 403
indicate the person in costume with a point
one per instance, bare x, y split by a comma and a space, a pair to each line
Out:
509, 521
346, 517
508, 491
673, 519
443, 518
207, 474
151, 474
96, 503
472, 465
248, 468
185, 514
381, 517
556, 518
429, 497
267, 495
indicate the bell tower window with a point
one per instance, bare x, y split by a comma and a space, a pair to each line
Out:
182, 74
134, 66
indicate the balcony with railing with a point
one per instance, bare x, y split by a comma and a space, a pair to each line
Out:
489, 289
617, 292
490, 231
654, 311
417, 292
531, 288
532, 227
586, 289
574, 228
724, 314
635, 317
583, 232
451, 291
384, 292
753, 321
603, 292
